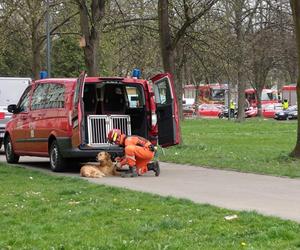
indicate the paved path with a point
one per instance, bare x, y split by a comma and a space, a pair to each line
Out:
239, 191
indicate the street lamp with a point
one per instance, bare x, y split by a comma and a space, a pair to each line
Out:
48, 38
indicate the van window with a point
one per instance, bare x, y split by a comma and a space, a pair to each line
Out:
39, 97
162, 92
135, 97
114, 99
24, 101
47, 96
55, 96
90, 97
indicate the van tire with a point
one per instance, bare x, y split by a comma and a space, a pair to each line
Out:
10, 155
57, 162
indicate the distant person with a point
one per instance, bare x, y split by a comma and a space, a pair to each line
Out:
231, 108
285, 104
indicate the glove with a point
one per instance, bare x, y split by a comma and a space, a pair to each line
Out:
152, 148
118, 165
118, 159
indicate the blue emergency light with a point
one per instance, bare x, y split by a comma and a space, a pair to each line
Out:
43, 74
136, 73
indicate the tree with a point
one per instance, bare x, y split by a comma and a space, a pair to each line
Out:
28, 18
263, 53
90, 23
239, 16
295, 4
170, 39
67, 57
130, 39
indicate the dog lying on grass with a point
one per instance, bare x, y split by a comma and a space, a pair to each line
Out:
105, 167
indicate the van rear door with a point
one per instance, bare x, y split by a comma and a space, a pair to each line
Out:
77, 112
166, 109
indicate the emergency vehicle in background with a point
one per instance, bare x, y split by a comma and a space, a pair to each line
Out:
208, 93
289, 93
11, 89
69, 119
268, 96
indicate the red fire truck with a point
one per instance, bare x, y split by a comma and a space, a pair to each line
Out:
289, 93
268, 96
208, 93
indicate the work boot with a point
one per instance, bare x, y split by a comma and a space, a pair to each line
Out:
154, 166
130, 173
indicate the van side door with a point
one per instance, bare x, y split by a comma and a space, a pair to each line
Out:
48, 115
166, 109
38, 140
20, 126
78, 130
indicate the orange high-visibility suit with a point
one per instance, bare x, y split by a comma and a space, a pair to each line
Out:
138, 152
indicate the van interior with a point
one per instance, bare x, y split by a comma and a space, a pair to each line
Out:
117, 98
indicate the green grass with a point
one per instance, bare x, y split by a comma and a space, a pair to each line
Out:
257, 145
38, 211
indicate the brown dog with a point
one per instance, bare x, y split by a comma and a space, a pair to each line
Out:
104, 168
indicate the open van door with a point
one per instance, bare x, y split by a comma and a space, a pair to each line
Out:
166, 109
77, 112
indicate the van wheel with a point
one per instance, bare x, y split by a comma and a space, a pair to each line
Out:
57, 162
10, 155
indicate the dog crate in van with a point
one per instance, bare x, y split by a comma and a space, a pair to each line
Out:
100, 125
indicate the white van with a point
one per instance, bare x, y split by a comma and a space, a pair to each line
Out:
11, 89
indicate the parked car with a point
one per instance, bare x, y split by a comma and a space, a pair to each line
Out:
212, 110
188, 110
293, 115
270, 110
224, 113
69, 119
11, 88
250, 112
288, 114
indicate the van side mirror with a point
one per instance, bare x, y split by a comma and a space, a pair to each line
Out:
12, 108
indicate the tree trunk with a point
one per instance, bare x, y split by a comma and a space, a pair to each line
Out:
90, 28
241, 97
168, 51
241, 84
258, 96
295, 4
91, 54
36, 55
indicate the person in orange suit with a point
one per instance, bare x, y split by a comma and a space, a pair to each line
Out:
139, 152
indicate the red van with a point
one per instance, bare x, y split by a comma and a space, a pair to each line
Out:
69, 119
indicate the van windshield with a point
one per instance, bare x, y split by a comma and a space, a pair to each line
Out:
217, 94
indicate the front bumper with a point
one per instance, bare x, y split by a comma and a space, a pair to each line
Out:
86, 152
